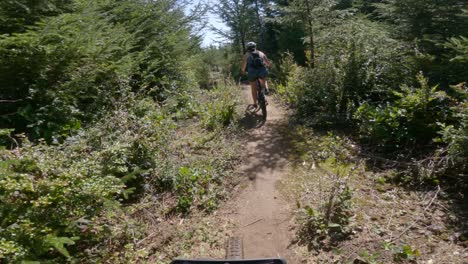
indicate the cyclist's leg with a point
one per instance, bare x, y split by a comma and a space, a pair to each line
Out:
252, 75
253, 86
263, 73
262, 82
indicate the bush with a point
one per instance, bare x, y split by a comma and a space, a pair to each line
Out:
219, 110
71, 68
455, 136
356, 62
51, 200
412, 119
59, 200
327, 216
196, 187
68, 69
332, 221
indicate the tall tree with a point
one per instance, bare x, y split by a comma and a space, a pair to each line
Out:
419, 19
260, 24
16, 15
313, 14
240, 17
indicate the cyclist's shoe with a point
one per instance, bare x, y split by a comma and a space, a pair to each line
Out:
252, 106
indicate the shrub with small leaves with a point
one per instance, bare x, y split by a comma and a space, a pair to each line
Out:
45, 193
219, 111
411, 119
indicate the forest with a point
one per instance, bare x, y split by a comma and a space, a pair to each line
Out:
120, 134
391, 73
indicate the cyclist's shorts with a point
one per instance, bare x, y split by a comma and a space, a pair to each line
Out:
253, 73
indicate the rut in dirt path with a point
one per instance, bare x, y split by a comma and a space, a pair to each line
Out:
262, 217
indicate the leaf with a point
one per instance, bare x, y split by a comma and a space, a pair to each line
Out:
126, 193
59, 244
6, 131
310, 211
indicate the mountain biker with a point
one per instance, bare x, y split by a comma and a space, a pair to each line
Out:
256, 64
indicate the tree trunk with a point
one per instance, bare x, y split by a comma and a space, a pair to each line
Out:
311, 34
241, 24
243, 42
260, 26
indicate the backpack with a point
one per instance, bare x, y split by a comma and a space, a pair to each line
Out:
256, 60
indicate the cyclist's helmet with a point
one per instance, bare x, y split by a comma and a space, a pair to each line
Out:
251, 45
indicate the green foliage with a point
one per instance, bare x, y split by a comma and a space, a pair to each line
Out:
428, 24
288, 75
455, 136
455, 60
63, 202
17, 15
5, 136
240, 17
102, 89
332, 221
330, 217
219, 110
44, 197
355, 61
196, 187
78, 67
369, 258
210, 67
412, 118
402, 253
460, 46
71, 68
424, 19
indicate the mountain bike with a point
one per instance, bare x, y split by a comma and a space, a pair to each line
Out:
261, 98
234, 255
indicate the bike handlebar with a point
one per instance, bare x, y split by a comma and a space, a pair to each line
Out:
226, 261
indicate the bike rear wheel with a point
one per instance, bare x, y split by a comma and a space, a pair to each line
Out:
234, 248
264, 110
262, 100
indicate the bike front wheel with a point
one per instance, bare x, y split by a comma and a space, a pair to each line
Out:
234, 248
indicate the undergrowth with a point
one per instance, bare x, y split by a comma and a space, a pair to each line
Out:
348, 212
74, 201
325, 212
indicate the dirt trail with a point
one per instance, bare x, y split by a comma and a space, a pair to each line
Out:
262, 217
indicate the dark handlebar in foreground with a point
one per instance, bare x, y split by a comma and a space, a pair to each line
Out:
227, 261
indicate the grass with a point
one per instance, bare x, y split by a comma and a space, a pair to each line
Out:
390, 223
196, 231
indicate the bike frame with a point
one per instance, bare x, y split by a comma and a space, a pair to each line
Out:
260, 90
261, 98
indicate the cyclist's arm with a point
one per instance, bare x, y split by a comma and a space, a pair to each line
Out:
244, 64
266, 60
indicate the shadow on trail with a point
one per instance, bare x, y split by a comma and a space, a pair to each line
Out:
270, 145
252, 119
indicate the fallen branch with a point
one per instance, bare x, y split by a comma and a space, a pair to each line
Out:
11, 101
254, 222
433, 198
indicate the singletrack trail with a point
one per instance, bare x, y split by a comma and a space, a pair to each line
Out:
261, 216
